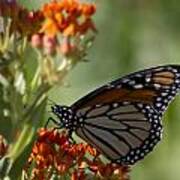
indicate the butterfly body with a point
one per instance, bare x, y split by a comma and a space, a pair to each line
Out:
123, 118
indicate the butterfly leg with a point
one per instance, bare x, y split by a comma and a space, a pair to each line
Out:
51, 119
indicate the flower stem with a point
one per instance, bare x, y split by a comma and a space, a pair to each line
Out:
23, 140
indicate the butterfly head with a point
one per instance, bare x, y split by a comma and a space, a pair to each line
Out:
65, 115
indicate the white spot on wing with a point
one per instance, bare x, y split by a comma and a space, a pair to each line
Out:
157, 86
125, 80
148, 79
138, 86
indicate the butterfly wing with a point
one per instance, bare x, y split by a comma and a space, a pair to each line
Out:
123, 132
122, 118
156, 86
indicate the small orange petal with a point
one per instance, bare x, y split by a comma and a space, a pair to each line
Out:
49, 27
70, 30
88, 10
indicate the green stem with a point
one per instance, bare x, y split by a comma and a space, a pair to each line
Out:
40, 93
28, 130
36, 78
34, 81
7, 35
23, 140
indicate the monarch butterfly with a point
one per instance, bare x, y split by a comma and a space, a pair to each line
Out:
122, 119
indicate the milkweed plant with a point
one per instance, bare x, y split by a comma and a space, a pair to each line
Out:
37, 50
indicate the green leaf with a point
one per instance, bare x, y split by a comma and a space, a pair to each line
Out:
21, 149
5, 164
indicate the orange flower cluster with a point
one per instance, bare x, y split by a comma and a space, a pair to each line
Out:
24, 22
53, 152
69, 17
55, 27
109, 171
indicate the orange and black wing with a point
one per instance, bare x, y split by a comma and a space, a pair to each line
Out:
123, 118
155, 86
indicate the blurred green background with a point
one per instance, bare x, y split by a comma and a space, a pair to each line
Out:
132, 35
